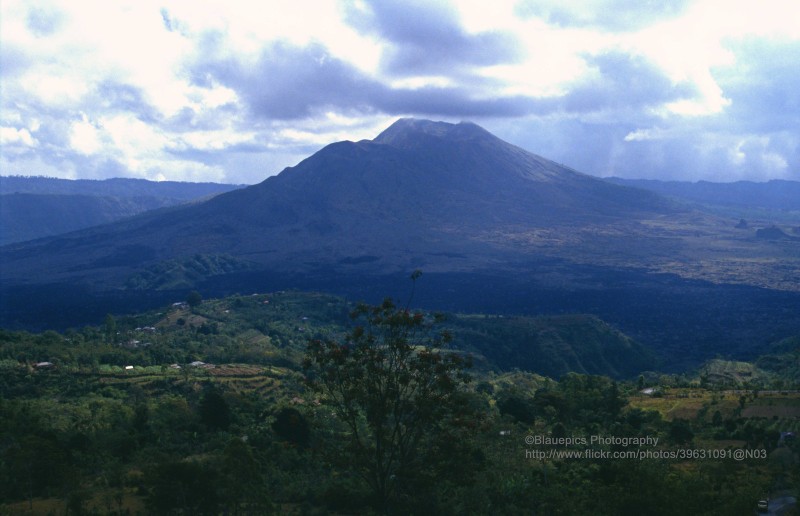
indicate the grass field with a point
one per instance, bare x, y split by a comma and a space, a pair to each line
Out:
692, 404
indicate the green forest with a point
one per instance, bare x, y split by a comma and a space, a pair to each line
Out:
303, 403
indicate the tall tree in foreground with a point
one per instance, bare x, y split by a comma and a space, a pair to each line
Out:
398, 394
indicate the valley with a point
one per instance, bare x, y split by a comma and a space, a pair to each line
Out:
200, 398
215, 356
399, 258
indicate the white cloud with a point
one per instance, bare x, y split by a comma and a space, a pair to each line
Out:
112, 83
640, 135
84, 137
56, 90
35, 166
12, 136
213, 97
756, 152
133, 139
211, 140
554, 59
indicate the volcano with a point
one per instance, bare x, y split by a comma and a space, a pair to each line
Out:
495, 228
422, 194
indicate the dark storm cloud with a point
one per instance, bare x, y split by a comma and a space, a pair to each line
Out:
613, 119
609, 15
426, 38
453, 102
289, 82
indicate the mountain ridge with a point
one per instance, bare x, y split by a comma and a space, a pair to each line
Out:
489, 223
115, 187
443, 196
776, 200
37, 207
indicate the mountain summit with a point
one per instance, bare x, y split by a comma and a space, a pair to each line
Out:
407, 132
422, 193
494, 227
433, 195
457, 173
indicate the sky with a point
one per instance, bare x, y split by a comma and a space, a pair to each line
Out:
235, 91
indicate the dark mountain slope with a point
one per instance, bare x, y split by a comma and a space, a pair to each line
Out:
495, 229
421, 193
28, 216
36, 207
775, 200
443, 197
471, 160
115, 187
430, 174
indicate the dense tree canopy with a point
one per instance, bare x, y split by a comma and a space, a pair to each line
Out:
115, 419
396, 391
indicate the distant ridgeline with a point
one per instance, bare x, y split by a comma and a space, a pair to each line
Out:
114, 187
775, 201
35, 207
496, 229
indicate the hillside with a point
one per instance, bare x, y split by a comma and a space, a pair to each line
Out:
454, 200
439, 196
115, 187
774, 201
36, 207
496, 229
208, 409
27, 216
554, 345
273, 329
783, 360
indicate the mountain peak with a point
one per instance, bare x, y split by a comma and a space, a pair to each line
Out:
407, 131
